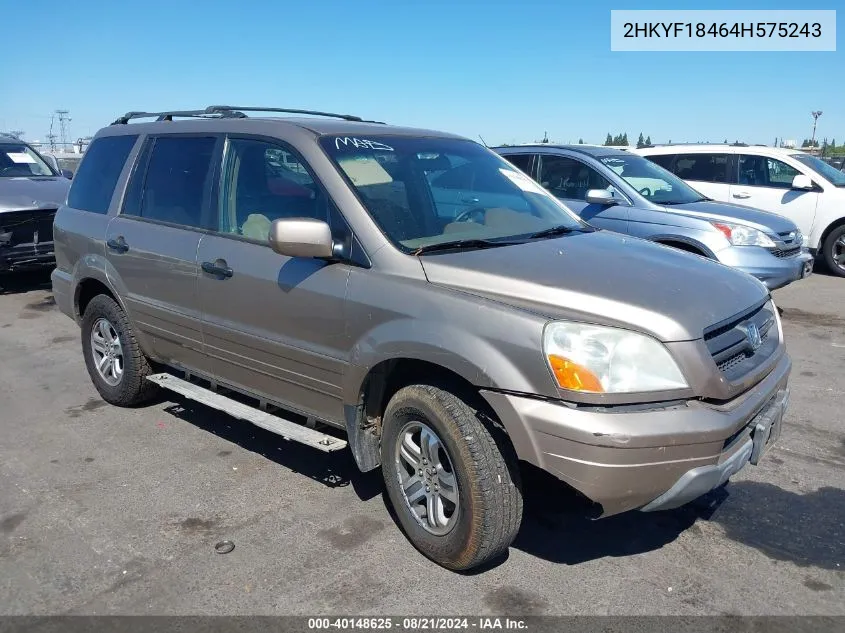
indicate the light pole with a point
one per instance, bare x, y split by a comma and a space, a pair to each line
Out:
816, 114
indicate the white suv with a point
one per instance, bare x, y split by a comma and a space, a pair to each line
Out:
789, 182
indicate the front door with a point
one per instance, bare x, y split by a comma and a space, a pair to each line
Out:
766, 183
152, 245
273, 325
570, 180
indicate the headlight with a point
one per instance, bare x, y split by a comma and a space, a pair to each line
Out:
740, 235
596, 359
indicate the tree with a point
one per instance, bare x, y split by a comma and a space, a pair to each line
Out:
624, 139
776, 142
648, 140
640, 141
726, 141
580, 141
608, 140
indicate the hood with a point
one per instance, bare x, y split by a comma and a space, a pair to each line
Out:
35, 192
712, 210
605, 278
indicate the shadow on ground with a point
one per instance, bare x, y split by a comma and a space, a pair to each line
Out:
803, 529
806, 530
19, 283
335, 469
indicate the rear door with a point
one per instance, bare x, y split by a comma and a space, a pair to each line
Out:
152, 245
569, 180
766, 183
273, 325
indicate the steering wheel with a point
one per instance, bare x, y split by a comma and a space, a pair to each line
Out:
645, 191
466, 216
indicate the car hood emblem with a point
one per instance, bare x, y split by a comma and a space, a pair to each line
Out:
752, 333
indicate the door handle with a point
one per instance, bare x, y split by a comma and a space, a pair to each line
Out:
741, 195
469, 200
218, 268
118, 244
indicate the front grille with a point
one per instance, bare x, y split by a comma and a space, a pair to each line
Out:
730, 346
737, 359
786, 252
26, 227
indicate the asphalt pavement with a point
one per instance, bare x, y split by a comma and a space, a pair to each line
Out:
116, 511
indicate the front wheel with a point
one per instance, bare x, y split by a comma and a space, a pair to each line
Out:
833, 251
451, 476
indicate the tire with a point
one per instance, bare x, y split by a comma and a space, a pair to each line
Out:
487, 517
131, 387
830, 247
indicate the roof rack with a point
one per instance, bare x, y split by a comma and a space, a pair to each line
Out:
224, 108
224, 111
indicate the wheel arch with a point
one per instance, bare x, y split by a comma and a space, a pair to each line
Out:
683, 244
830, 229
363, 413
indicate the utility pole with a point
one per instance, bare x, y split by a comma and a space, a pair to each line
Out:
816, 114
51, 138
63, 127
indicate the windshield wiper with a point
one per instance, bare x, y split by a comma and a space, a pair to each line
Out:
670, 203
473, 244
561, 229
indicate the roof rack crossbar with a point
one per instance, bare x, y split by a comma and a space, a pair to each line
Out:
169, 114
219, 109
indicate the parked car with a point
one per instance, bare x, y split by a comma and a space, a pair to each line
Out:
788, 182
65, 163
619, 191
30, 193
447, 344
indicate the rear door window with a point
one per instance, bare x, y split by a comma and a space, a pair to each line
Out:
703, 167
664, 160
174, 187
94, 182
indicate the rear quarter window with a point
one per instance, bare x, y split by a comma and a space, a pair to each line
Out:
94, 182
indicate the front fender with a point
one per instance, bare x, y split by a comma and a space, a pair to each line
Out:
470, 356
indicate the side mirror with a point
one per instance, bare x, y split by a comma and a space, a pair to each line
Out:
601, 196
67, 173
802, 182
301, 237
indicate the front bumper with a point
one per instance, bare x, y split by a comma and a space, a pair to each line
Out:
773, 271
22, 257
641, 458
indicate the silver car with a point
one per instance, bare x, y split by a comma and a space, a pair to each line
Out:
623, 192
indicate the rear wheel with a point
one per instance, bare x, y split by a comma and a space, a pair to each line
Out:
833, 251
113, 357
451, 476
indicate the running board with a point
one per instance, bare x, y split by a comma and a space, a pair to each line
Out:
273, 423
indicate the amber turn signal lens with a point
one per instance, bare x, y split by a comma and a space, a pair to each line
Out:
573, 376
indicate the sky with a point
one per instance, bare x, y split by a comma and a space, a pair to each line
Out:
507, 71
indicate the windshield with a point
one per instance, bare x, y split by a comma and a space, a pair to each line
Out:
427, 191
829, 172
654, 183
17, 159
